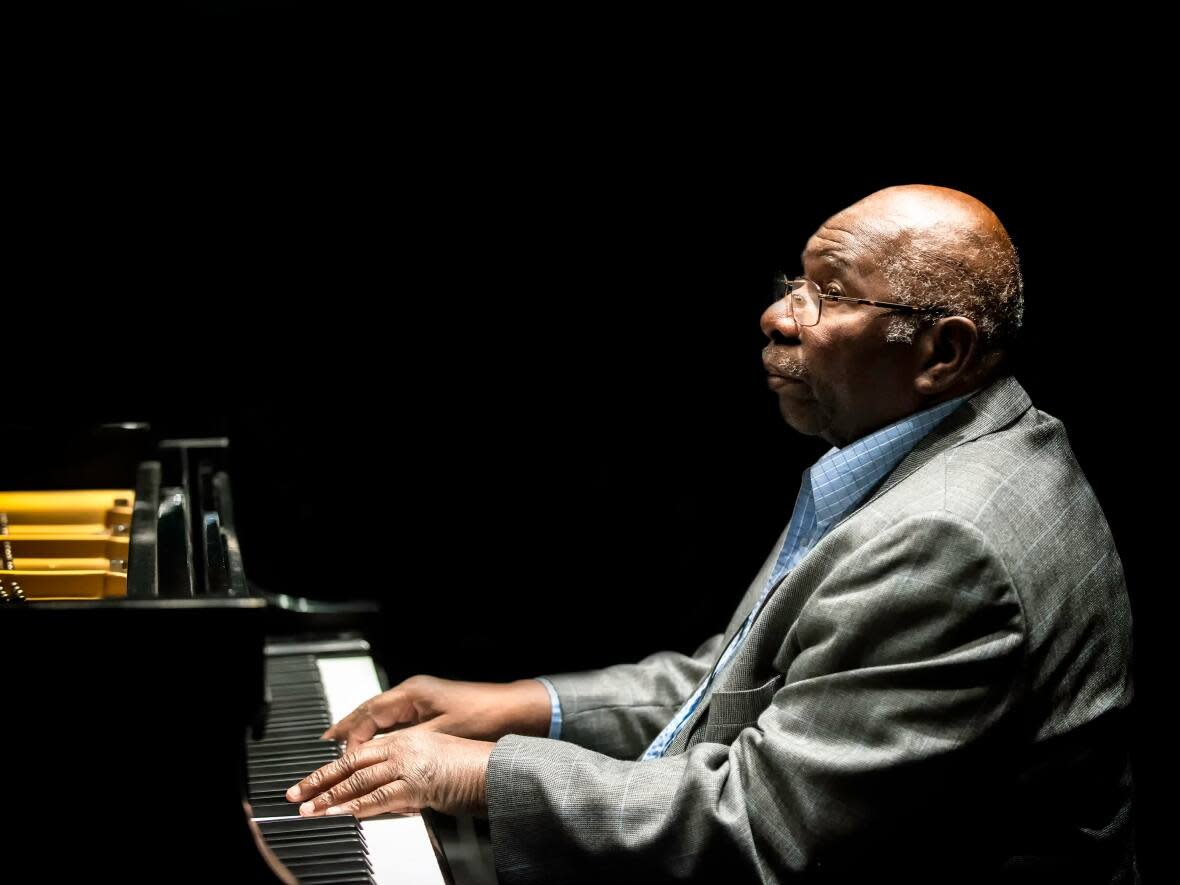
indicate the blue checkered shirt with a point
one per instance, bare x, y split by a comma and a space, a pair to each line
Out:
831, 488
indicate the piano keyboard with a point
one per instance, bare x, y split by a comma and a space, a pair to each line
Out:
308, 695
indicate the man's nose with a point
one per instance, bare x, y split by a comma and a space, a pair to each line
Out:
778, 322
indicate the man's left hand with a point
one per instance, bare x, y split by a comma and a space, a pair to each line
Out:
405, 771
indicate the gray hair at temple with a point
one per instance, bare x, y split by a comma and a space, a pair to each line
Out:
938, 247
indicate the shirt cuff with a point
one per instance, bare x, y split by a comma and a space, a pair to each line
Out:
555, 705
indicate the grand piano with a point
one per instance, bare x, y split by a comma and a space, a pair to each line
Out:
157, 704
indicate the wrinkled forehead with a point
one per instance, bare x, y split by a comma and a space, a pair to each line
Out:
838, 250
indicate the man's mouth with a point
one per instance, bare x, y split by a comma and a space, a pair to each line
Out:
785, 369
776, 382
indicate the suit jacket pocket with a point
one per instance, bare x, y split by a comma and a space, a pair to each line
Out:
731, 711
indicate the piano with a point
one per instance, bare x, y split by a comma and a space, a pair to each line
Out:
153, 715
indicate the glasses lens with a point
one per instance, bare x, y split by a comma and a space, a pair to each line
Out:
803, 298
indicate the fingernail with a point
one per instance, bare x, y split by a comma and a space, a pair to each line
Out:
336, 809
293, 793
306, 808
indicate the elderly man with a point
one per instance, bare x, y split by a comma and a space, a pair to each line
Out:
928, 677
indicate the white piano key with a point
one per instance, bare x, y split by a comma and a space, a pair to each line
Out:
399, 846
400, 850
348, 682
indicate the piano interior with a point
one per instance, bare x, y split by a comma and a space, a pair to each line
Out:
159, 703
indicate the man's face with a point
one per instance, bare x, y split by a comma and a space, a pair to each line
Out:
839, 379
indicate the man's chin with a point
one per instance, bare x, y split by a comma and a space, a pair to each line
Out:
801, 421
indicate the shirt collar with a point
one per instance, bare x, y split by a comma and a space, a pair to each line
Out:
843, 477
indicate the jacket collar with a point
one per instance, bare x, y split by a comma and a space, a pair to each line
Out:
990, 409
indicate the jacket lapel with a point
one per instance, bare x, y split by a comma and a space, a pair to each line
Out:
992, 408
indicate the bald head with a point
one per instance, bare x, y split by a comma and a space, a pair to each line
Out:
938, 247
924, 208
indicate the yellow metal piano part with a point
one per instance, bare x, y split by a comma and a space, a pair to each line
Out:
59, 545
65, 563
72, 584
64, 545
83, 512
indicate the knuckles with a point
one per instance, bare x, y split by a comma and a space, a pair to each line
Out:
384, 797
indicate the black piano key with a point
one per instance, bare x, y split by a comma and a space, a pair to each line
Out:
335, 867
298, 769
310, 762
274, 754
274, 809
322, 751
289, 829
323, 848
305, 731
356, 837
312, 706
277, 787
280, 767
292, 740
291, 677
309, 728
267, 797
350, 864
300, 718
310, 824
319, 723
281, 783
272, 780
282, 706
292, 717
275, 665
292, 858
287, 736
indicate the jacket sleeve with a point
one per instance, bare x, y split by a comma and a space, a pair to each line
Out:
904, 663
619, 710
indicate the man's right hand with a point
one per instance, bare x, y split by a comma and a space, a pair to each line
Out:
479, 710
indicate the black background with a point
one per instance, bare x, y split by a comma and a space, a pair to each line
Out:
485, 337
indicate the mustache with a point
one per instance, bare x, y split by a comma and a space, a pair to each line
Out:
779, 362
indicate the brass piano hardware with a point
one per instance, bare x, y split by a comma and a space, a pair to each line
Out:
52, 544
67, 563
64, 544
66, 584
81, 511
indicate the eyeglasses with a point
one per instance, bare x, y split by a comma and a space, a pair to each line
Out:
805, 300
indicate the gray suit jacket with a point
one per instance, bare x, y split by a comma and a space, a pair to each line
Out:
937, 690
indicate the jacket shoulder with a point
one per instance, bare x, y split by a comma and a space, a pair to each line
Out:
1022, 491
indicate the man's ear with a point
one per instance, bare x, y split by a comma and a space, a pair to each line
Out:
945, 355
